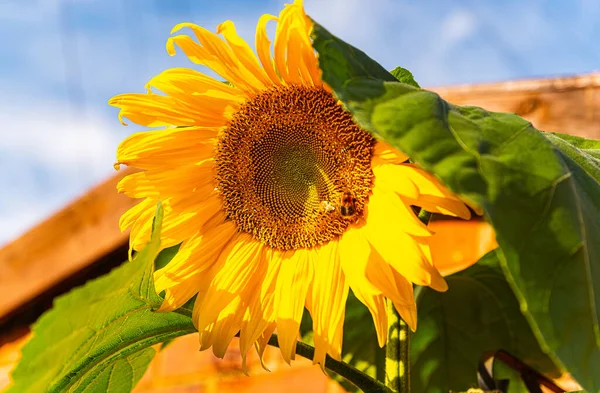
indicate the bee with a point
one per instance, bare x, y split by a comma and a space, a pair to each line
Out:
347, 205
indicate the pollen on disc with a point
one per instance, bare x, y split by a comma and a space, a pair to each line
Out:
284, 163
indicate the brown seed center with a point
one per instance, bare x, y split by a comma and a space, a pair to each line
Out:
293, 167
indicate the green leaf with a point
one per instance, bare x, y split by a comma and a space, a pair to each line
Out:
405, 76
478, 314
587, 147
542, 199
165, 256
585, 152
99, 337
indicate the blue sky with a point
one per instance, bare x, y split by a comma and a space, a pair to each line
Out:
61, 60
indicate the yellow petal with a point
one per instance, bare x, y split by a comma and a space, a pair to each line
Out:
377, 308
130, 216
384, 151
389, 178
458, 244
183, 218
195, 256
408, 314
386, 206
280, 46
308, 53
177, 295
167, 148
355, 252
141, 229
238, 263
208, 276
263, 47
310, 66
194, 87
261, 310
294, 55
398, 248
328, 294
153, 110
408, 307
197, 181
214, 53
226, 327
262, 343
214, 102
433, 196
381, 275
295, 275
242, 51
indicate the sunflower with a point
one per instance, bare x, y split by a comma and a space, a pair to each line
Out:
278, 200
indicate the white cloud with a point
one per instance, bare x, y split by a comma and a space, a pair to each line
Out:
364, 24
48, 136
457, 26
48, 158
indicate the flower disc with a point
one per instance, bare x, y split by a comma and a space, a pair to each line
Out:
293, 168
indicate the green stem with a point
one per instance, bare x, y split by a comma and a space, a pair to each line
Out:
397, 356
361, 380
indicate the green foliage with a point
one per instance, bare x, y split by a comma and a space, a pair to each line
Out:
165, 256
405, 76
539, 191
99, 337
478, 314
585, 152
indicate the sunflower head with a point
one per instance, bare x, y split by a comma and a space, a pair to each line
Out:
278, 199
288, 158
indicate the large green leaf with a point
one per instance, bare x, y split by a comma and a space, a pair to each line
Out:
585, 147
543, 202
478, 314
585, 152
99, 337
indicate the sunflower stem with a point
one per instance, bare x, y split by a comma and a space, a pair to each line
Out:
397, 353
359, 379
